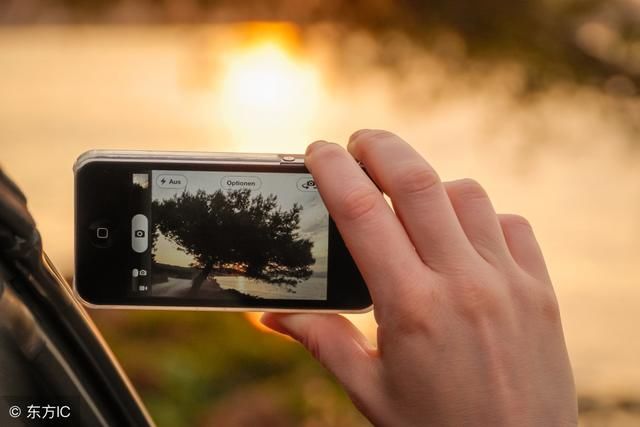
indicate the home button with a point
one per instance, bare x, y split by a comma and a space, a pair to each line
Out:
101, 233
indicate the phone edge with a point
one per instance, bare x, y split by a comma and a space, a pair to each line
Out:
213, 309
186, 156
200, 157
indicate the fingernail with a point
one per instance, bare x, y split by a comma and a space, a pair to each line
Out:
314, 146
357, 134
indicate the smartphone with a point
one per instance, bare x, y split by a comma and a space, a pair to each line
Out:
217, 231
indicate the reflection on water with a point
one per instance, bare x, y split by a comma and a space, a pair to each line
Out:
566, 157
313, 288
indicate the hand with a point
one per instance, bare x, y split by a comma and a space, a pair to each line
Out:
469, 329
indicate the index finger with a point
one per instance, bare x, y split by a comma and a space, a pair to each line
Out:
371, 231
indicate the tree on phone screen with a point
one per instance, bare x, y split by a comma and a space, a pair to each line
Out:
234, 233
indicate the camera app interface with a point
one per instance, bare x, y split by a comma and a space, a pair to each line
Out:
219, 235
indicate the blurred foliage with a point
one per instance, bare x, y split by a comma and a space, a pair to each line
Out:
585, 40
217, 369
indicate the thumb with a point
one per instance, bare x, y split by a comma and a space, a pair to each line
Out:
337, 344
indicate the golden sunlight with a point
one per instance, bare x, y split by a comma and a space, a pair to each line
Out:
268, 94
254, 319
365, 322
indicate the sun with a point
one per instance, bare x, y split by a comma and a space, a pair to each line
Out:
266, 80
268, 92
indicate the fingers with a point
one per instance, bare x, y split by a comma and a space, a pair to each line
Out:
370, 229
523, 245
478, 219
337, 344
418, 196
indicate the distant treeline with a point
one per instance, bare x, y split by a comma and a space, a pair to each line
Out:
586, 40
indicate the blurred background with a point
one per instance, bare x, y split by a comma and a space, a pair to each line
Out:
538, 100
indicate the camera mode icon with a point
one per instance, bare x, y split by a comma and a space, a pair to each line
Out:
139, 229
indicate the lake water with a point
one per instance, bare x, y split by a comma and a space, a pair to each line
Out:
567, 157
311, 289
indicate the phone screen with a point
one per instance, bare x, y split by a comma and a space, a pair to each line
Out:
216, 235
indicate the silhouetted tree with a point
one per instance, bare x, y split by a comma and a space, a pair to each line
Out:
232, 232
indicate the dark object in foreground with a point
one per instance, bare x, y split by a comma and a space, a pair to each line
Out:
54, 365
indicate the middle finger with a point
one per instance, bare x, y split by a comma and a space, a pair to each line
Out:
418, 196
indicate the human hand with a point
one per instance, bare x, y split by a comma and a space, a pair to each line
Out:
469, 330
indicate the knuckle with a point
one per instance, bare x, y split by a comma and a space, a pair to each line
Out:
520, 289
532, 296
359, 203
549, 307
418, 315
416, 179
470, 189
477, 299
513, 220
